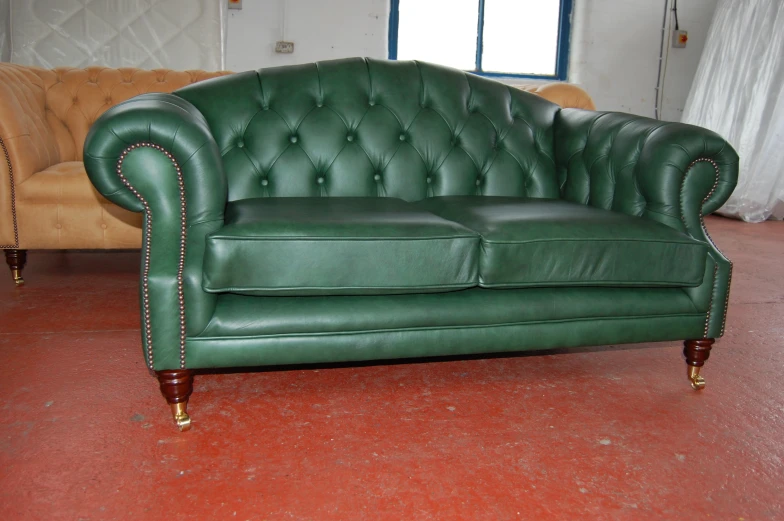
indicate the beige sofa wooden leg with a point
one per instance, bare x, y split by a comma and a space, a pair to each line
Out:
16, 260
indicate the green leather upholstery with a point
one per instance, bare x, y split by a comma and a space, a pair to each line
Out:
287, 330
371, 128
176, 126
668, 172
337, 246
411, 131
545, 242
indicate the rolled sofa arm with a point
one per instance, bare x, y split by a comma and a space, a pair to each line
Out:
155, 154
668, 172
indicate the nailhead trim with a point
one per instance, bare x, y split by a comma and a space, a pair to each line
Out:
705, 230
727, 300
710, 303
146, 251
13, 196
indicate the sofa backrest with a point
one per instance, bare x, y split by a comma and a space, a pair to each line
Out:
76, 97
363, 127
24, 129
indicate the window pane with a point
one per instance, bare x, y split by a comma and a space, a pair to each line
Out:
438, 31
520, 36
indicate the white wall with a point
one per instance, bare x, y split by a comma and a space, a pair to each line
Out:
614, 54
320, 30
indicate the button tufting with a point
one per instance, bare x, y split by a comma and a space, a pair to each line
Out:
371, 103
478, 181
264, 182
103, 225
320, 104
240, 143
428, 179
377, 177
58, 226
402, 137
320, 180
350, 137
293, 139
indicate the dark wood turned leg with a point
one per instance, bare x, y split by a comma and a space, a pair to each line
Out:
696, 353
16, 260
176, 387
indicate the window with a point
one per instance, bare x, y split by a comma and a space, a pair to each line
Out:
523, 38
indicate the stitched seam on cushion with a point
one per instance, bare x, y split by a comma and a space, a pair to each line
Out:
260, 288
438, 328
341, 239
569, 283
651, 241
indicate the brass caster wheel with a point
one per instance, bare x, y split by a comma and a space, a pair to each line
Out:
17, 275
181, 417
697, 381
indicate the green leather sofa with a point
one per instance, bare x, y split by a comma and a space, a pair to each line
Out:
363, 209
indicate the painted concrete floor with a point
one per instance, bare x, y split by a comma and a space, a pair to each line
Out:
607, 433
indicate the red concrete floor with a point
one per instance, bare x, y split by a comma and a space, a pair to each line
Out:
606, 433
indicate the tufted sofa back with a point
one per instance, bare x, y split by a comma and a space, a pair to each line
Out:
24, 129
76, 97
363, 127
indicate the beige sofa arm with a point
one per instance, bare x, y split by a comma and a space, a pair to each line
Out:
567, 95
27, 143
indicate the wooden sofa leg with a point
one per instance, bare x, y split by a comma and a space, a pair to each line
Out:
16, 260
696, 352
176, 387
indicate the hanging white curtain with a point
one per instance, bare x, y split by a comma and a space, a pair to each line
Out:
150, 34
738, 91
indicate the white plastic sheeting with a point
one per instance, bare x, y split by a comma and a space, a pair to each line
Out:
738, 91
149, 34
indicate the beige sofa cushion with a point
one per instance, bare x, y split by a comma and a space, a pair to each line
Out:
63, 183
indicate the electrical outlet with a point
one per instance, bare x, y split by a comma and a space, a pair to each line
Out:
679, 38
284, 47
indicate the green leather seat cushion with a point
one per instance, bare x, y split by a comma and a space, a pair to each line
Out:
548, 242
337, 246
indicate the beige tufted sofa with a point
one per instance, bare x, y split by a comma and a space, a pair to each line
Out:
46, 199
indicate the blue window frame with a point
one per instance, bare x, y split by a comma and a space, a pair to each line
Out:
562, 43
